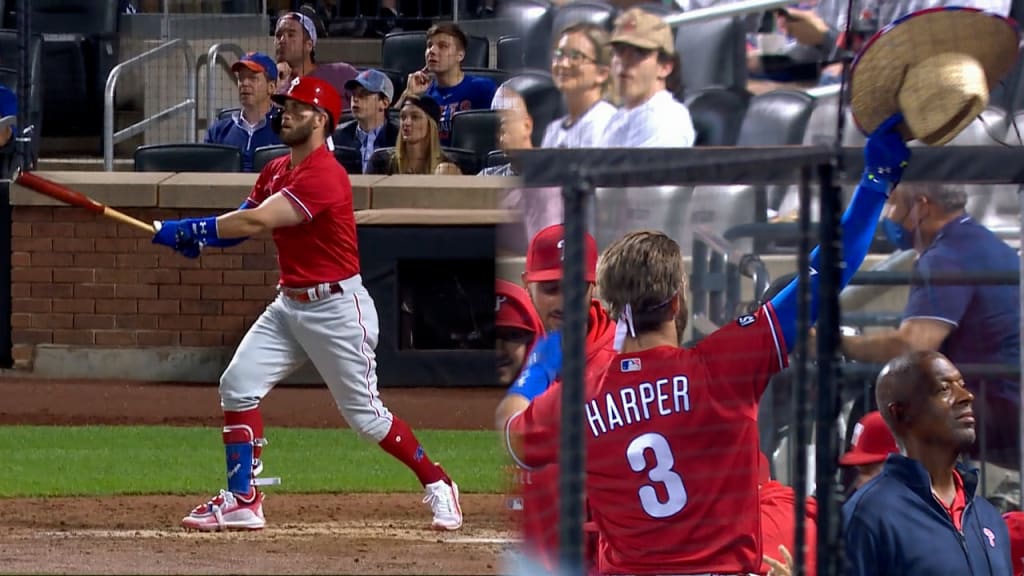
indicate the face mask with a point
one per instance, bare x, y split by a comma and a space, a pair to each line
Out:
897, 235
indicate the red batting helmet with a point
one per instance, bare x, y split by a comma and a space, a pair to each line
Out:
315, 92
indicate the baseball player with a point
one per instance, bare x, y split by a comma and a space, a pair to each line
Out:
322, 312
542, 277
672, 439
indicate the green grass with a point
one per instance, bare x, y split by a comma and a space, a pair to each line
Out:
93, 461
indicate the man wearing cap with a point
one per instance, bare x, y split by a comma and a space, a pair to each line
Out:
923, 514
443, 79
295, 44
872, 444
371, 93
249, 128
646, 67
322, 313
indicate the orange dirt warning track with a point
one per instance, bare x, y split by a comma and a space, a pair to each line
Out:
306, 534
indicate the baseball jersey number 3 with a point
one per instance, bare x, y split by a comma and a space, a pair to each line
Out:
661, 473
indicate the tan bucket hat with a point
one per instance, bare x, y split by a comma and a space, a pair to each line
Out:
936, 66
644, 30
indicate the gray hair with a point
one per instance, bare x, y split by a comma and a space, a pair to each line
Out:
949, 197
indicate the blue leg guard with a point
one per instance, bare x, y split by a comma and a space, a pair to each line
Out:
238, 448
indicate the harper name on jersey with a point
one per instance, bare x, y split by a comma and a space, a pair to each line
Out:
632, 404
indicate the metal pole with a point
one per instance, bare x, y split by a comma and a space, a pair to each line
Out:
829, 377
574, 332
25, 130
802, 385
715, 12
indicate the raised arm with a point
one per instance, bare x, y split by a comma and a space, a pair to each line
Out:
885, 157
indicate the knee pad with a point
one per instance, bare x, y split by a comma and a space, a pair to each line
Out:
242, 464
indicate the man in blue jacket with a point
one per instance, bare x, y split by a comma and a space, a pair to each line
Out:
249, 128
922, 515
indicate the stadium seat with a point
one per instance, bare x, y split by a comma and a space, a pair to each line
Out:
350, 158
188, 158
495, 74
717, 115
510, 53
265, 154
532, 21
227, 112
621, 210
475, 130
380, 157
80, 48
404, 52
713, 53
10, 57
777, 118
543, 100
467, 160
496, 158
593, 11
660, 9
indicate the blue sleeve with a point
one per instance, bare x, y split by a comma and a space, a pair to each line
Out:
229, 242
858, 230
209, 135
940, 302
863, 555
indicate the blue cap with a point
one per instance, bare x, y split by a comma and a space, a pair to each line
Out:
258, 62
374, 81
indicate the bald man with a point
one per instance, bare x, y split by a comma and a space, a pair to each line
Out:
515, 130
922, 515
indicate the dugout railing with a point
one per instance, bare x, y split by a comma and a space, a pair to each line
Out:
580, 172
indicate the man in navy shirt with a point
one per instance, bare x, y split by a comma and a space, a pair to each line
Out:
922, 515
249, 128
970, 324
443, 79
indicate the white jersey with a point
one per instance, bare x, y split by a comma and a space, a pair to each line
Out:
661, 122
586, 132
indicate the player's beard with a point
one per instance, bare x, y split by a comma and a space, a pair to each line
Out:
298, 134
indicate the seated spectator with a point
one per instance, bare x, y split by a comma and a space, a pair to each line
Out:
249, 128
537, 208
418, 149
645, 62
443, 79
295, 41
580, 68
923, 514
371, 93
872, 444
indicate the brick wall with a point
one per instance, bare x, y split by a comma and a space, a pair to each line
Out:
83, 280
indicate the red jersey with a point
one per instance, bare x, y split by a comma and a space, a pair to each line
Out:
323, 248
540, 486
778, 524
672, 451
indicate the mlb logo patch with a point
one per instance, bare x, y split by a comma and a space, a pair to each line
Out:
746, 320
630, 365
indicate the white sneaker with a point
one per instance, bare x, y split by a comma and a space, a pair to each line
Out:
226, 512
444, 501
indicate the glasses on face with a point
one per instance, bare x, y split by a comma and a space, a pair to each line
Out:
575, 57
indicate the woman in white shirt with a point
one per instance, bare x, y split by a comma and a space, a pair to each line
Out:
580, 68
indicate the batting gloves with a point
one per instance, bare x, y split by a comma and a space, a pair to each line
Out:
885, 156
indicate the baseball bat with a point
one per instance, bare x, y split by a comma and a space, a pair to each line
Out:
71, 197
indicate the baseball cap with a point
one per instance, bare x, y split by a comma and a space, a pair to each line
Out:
258, 62
644, 30
872, 442
546, 253
429, 106
512, 308
306, 21
374, 81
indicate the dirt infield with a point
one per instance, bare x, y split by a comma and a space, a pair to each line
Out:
306, 534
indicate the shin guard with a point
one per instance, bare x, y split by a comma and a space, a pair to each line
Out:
239, 447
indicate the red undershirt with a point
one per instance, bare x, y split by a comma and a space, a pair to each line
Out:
956, 509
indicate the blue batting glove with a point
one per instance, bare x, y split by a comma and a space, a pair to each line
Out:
885, 155
190, 250
174, 234
542, 367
